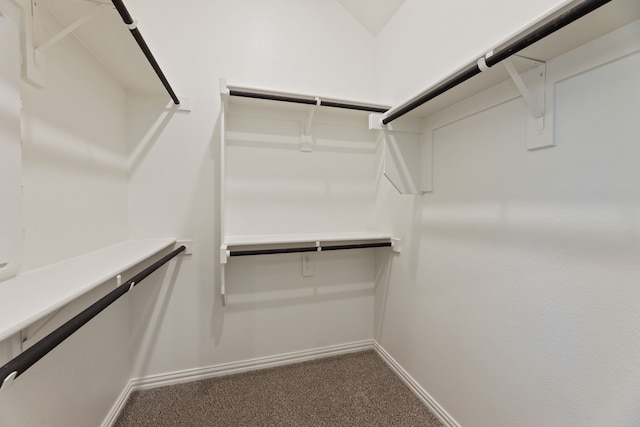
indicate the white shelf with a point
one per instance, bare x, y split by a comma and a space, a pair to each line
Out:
30, 296
603, 20
272, 241
226, 89
283, 239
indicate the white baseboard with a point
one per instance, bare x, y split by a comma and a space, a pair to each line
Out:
117, 406
415, 387
224, 369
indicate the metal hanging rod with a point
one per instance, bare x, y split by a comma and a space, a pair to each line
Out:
247, 93
310, 249
18, 365
485, 62
132, 25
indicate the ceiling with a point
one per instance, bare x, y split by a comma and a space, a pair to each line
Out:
372, 14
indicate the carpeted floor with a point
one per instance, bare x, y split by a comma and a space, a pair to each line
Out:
355, 389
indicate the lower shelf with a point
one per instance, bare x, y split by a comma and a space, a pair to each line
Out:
35, 294
234, 246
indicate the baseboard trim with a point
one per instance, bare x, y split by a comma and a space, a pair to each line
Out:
422, 394
224, 369
118, 406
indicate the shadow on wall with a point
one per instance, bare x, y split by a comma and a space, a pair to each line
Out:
267, 281
149, 307
150, 123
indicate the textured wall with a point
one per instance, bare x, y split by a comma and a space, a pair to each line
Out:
514, 302
74, 200
313, 47
74, 155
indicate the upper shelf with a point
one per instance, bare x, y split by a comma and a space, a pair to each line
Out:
108, 40
279, 239
35, 294
288, 243
603, 20
243, 95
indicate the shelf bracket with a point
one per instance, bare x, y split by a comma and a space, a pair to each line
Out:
395, 245
223, 285
224, 257
306, 139
224, 254
224, 94
69, 29
406, 160
533, 100
534, 96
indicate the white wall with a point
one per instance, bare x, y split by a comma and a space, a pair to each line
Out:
312, 47
74, 200
10, 143
513, 302
505, 317
74, 155
100, 166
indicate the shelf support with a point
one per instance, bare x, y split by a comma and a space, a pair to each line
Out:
306, 139
534, 95
406, 158
535, 102
223, 285
224, 257
69, 29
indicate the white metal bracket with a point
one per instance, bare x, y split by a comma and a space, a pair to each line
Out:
9, 380
306, 139
69, 29
224, 94
224, 257
406, 159
34, 62
185, 104
395, 245
533, 94
534, 101
31, 69
223, 284
224, 254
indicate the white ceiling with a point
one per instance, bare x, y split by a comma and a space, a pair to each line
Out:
372, 14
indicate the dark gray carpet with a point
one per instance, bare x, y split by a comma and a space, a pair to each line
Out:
355, 389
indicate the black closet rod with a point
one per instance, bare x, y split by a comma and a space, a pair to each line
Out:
309, 249
126, 17
308, 101
18, 365
556, 23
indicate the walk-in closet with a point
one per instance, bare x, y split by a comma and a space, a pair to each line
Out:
319, 212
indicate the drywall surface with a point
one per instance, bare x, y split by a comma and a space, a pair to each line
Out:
10, 146
74, 199
426, 41
77, 382
74, 155
515, 300
314, 47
